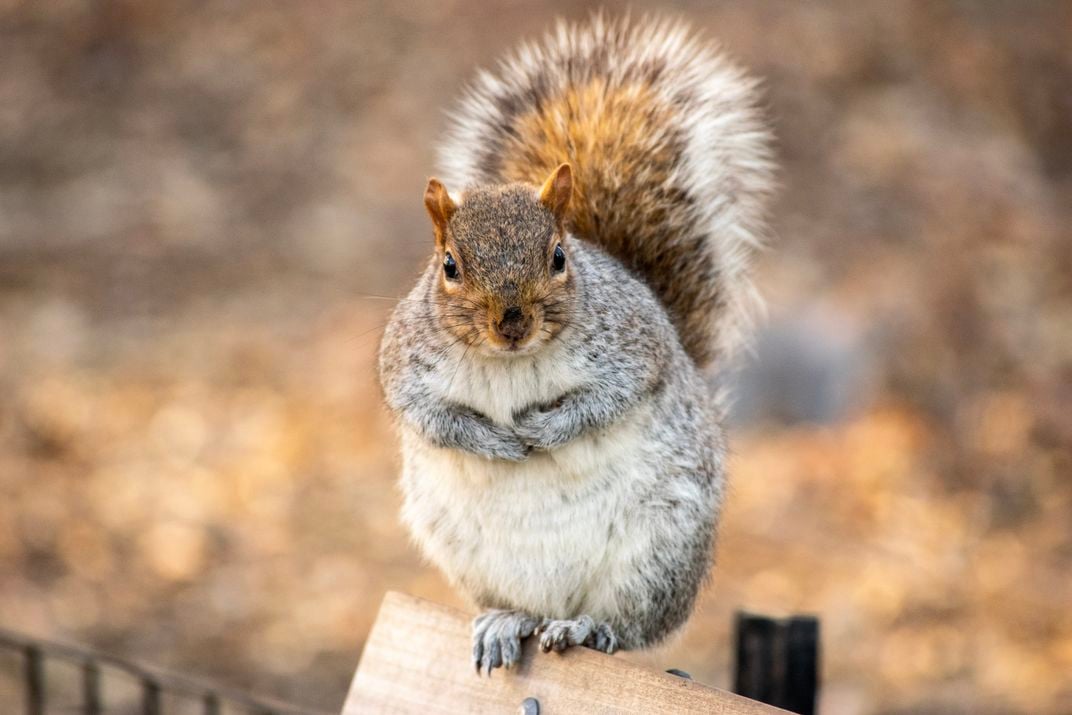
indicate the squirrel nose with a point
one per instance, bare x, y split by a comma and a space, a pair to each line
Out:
513, 325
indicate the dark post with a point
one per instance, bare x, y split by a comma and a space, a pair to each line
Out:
91, 688
35, 681
212, 704
150, 696
778, 661
802, 672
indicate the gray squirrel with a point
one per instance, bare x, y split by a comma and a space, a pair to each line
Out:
563, 460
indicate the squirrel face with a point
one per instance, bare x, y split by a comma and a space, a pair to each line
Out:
504, 285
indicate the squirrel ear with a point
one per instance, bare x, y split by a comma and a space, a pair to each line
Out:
440, 208
557, 190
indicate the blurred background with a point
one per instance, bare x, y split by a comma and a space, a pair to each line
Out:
198, 201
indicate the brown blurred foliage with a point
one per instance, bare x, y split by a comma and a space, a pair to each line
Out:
198, 202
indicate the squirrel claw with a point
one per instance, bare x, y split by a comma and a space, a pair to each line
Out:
603, 639
559, 635
497, 637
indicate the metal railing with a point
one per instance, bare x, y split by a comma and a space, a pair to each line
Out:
777, 662
154, 683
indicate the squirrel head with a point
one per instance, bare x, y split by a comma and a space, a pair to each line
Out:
503, 283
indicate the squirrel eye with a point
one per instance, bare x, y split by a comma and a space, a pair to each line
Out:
559, 259
450, 267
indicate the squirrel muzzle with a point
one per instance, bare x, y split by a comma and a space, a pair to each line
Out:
512, 329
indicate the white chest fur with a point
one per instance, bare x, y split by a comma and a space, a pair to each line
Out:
498, 387
544, 535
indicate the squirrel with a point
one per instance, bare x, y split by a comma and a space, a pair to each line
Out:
563, 458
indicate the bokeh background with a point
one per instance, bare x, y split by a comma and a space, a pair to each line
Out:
200, 201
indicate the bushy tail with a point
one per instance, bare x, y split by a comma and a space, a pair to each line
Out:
671, 160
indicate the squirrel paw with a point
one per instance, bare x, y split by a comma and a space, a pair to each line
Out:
603, 639
559, 635
497, 637
543, 428
504, 444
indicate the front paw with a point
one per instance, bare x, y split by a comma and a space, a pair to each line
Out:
559, 635
507, 445
497, 637
543, 427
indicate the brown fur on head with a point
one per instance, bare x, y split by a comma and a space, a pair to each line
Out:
506, 296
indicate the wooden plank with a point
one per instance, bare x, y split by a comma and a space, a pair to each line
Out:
416, 660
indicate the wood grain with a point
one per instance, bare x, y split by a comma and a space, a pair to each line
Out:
416, 660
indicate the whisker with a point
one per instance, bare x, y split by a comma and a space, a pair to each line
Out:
457, 367
465, 301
